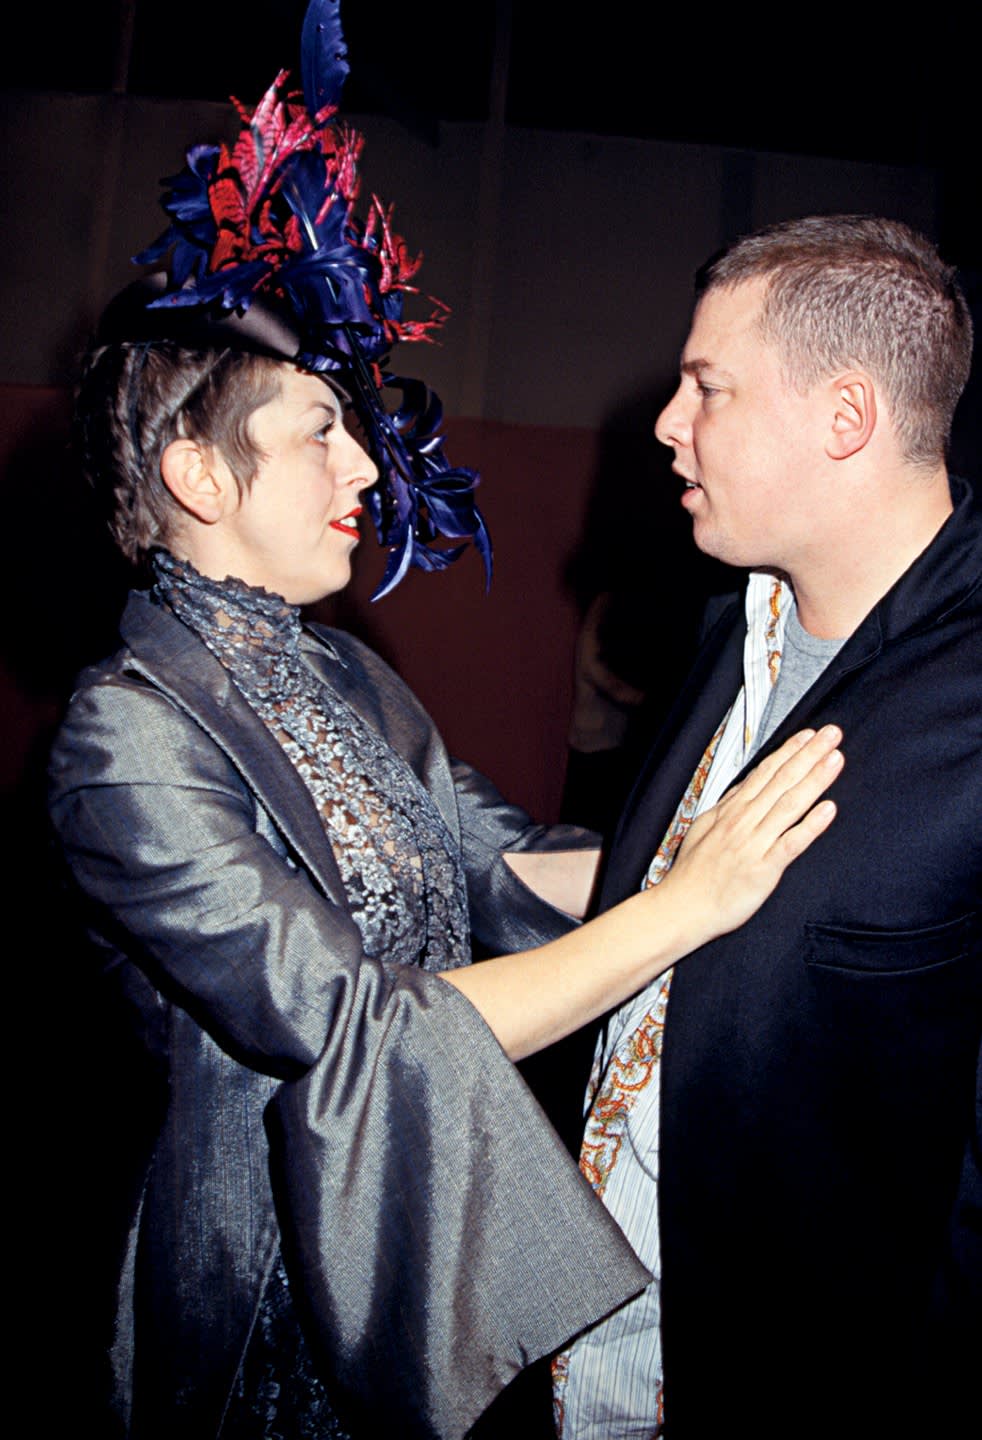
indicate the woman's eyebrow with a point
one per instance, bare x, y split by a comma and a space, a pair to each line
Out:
330, 408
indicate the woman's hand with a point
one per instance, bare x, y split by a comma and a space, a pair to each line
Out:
732, 858
735, 853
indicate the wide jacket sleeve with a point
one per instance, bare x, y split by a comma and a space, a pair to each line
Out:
185, 870
505, 914
439, 1233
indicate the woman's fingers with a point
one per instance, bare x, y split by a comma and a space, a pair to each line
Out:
780, 791
765, 770
797, 759
737, 852
794, 787
795, 840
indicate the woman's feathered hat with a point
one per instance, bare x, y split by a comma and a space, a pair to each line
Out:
265, 250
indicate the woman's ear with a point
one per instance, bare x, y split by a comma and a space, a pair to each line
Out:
198, 478
854, 415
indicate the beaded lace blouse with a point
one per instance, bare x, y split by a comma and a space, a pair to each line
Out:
399, 865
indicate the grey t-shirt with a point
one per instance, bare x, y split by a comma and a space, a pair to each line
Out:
803, 658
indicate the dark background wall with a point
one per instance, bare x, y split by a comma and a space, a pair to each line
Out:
563, 186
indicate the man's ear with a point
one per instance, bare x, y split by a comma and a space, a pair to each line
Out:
197, 478
853, 415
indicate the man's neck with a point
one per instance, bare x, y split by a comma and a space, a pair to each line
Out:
836, 593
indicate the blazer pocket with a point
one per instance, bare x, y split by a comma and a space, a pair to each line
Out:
891, 952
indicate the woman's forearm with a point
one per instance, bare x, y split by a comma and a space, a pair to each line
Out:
733, 858
563, 878
536, 997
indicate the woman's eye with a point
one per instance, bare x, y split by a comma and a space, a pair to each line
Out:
324, 433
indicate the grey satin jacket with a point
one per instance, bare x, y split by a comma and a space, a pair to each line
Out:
360, 1117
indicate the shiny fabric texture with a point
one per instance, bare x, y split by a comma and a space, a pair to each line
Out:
362, 1121
278, 1392
400, 867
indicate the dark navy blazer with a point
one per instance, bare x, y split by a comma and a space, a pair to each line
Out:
820, 1207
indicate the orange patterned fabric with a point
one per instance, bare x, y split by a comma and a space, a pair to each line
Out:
608, 1383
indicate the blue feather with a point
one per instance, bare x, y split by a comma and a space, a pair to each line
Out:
332, 286
323, 55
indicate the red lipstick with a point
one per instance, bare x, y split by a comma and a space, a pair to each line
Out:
345, 526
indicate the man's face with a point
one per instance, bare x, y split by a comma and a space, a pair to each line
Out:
744, 443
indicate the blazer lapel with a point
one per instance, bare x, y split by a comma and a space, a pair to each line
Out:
817, 706
708, 694
671, 764
178, 665
920, 597
941, 579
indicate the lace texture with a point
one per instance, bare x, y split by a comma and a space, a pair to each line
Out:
398, 862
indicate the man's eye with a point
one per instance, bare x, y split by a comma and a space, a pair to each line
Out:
706, 390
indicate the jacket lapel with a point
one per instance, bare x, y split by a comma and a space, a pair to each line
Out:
940, 580
170, 657
671, 764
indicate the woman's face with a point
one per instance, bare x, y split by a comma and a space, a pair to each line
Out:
295, 527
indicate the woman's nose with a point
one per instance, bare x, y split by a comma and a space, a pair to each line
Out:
362, 470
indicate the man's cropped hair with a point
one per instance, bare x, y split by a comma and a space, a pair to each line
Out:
848, 291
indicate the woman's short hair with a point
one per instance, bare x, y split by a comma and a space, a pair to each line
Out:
857, 290
134, 399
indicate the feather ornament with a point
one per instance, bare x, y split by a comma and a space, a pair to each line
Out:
274, 216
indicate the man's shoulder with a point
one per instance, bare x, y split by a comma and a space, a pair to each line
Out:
944, 582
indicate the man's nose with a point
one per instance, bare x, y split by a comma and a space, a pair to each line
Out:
673, 426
